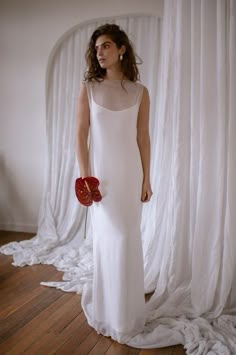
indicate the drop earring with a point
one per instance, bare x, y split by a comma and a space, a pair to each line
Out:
121, 57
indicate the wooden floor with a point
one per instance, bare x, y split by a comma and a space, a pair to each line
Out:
40, 320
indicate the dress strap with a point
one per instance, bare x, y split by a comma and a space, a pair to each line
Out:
89, 91
140, 94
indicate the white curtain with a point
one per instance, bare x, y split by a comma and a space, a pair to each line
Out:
189, 228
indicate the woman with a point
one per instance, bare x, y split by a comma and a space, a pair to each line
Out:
113, 111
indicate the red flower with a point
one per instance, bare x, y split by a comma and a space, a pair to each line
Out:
86, 190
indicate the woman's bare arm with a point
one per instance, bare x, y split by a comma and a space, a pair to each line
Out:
82, 130
143, 140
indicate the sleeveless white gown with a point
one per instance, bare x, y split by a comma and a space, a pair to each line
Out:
114, 301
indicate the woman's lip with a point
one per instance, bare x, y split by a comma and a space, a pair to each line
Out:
101, 60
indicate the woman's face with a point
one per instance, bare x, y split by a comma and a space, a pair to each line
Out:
108, 55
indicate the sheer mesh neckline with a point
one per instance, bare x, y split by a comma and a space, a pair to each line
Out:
110, 95
107, 109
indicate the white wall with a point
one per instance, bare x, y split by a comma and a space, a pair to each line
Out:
28, 32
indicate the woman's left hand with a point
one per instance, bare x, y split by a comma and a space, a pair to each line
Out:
146, 191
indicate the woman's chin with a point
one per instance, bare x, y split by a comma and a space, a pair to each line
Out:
103, 66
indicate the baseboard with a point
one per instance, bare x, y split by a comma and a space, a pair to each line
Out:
28, 228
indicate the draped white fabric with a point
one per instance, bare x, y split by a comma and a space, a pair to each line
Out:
188, 230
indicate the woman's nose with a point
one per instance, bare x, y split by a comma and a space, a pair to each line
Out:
99, 52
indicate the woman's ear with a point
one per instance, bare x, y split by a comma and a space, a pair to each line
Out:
122, 49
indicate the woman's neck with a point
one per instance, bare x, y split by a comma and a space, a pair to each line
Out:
114, 75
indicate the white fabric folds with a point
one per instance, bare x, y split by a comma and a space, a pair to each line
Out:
188, 230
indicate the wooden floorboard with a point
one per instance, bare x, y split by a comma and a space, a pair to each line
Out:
40, 320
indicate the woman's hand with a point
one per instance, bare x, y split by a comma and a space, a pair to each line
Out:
146, 191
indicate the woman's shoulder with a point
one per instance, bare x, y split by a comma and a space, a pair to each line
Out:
91, 84
142, 88
141, 85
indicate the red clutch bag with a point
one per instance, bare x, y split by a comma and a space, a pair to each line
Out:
86, 190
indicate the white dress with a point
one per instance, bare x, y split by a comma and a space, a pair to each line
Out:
114, 301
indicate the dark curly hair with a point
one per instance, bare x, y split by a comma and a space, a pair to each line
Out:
119, 37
